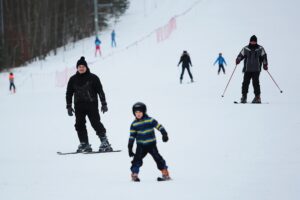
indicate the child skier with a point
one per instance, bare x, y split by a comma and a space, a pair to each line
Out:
142, 130
11, 78
221, 61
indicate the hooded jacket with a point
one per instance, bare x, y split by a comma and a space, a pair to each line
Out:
254, 56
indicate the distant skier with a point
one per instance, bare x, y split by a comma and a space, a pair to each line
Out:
221, 61
12, 87
254, 56
142, 130
98, 47
113, 38
186, 63
86, 87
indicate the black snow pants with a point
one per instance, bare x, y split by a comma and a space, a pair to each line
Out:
189, 71
91, 110
141, 152
221, 67
255, 82
12, 86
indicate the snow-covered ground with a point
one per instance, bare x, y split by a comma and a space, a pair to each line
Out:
217, 150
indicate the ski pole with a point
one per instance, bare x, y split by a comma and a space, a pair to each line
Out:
274, 82
229, 81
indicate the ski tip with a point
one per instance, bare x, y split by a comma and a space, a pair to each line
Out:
236, 102
163, 179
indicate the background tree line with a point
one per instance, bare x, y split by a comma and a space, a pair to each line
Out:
34, 28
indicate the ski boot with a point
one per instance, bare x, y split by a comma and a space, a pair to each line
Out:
135, 178
105, 146
256, 99
84, 147
165, 175
244, 99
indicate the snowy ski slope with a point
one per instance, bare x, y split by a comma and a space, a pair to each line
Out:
217, 150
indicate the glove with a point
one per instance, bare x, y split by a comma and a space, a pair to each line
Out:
265, 66
165, 138
130, 152
70, 111
237, 61
104, 108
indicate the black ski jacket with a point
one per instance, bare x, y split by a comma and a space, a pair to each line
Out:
254, 56
185, 60
85, 88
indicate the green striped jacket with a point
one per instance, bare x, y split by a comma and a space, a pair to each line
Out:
143, 131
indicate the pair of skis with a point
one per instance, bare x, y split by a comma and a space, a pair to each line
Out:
159, 179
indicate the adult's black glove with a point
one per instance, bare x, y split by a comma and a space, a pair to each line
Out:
130, 152
237, 61
70, 111
104, 108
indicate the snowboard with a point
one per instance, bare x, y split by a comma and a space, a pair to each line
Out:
92, 152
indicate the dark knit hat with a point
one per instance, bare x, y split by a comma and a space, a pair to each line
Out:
253, 38
81, 61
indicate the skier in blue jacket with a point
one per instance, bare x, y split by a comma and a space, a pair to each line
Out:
113, 39
221, 61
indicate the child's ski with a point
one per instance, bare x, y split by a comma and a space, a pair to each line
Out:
163, 179
136, 179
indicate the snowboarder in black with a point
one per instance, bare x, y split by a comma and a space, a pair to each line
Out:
254, 57
186, 63
86, 87
142, 130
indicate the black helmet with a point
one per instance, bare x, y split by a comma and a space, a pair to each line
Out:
139, 106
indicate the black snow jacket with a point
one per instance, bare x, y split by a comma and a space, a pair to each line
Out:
185, 60
254, 56
85, 88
